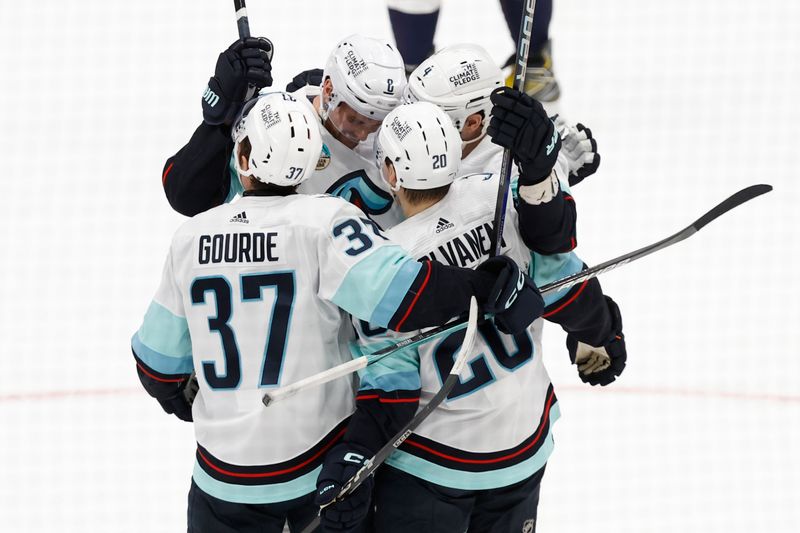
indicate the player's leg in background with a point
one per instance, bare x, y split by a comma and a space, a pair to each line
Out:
207, 514
540, 82
508, 510
404, 503
414, 25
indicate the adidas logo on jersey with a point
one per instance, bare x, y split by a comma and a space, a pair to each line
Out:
241, 217
443, 224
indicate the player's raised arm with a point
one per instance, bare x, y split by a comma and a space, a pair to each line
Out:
197, 177
547, 215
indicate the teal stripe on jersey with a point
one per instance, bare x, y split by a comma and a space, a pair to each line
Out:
164, 364
399, 371
390, 381
459, 479
274, 493
163, 341
549, 268
236, 185
375, 287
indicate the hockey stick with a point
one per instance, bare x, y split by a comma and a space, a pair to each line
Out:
523, 47
735, 200
452, 378
281, 393
244, 32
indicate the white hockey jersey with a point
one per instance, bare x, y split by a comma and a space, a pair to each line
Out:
254, 295
494, 428
344, 173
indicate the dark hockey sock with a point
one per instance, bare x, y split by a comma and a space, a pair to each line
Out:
512, 9
414, 34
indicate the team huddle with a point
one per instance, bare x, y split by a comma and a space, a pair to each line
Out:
342, 216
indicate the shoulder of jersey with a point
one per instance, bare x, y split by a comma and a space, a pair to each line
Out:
320, 209
478, 190
470, 201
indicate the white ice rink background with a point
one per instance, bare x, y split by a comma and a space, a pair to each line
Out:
689, 100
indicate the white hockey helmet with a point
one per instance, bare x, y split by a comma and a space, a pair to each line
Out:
422, 144
368, 74
459, 79
284, 138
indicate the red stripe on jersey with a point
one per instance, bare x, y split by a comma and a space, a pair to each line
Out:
565, 304
161, 380
164, 176
367, 397
414, 301
545, 419
399, 400
277, 472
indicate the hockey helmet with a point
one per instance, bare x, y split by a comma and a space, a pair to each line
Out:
459, 79
284, 138
422, 144
368, 74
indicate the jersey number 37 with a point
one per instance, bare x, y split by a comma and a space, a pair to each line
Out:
252, 285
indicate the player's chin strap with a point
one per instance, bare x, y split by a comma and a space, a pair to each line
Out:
477, 139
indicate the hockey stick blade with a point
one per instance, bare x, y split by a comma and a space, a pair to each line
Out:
735, 200
452, 378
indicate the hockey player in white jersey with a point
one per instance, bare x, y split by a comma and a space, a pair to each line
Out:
362, 81
461, 80
256, 293
476, 462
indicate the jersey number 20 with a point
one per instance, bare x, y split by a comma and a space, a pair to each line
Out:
275, 346
481, 372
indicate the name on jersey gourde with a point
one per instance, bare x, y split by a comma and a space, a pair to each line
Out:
237, 248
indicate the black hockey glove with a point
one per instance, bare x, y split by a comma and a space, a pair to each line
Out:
579, 149
521, 124
341, 463
244, 62
307, 77
180, 404
514, 299
601, 365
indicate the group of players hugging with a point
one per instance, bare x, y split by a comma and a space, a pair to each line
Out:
340, 216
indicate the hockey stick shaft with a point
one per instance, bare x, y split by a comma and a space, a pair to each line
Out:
520, 69
243, 24
733, 201
241, 18
452, 378
281, 393
723, 207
